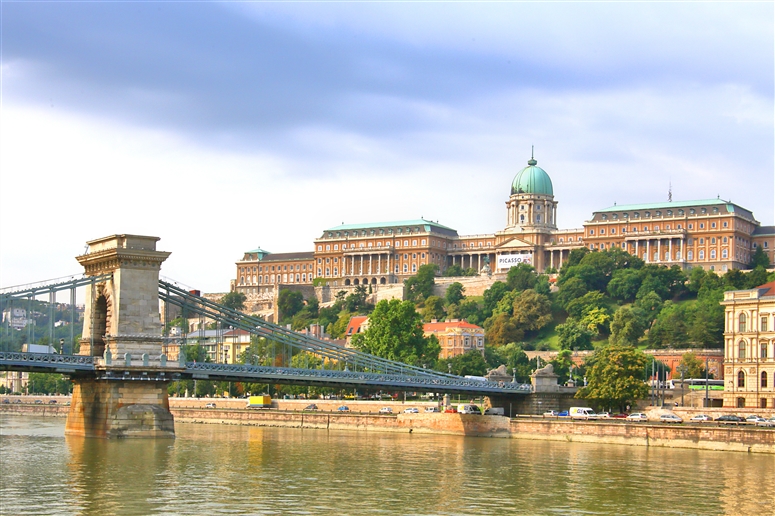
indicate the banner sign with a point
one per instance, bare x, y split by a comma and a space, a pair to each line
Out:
507, 261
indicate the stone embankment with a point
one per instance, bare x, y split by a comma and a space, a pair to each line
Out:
704, 436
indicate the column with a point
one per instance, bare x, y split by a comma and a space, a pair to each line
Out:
670, 248
636, 249
681, 250
352, 266
551, 259
648, 251
360, 272
659, 249
371, 259
379, 263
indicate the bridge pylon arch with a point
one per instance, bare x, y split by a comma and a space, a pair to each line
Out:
122, 326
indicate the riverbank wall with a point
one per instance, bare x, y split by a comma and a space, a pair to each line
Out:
705, 436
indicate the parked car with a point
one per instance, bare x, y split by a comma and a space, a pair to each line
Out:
603, 415
701, 418
52, 402
210, 405
6, 400
621, 415
411, 410
767, 422
563, 413
551, 413
432, 409
729, 419
670, 418
450, 410
754, 419
311, 406
343, 408
38, 401
386, 410
637, 417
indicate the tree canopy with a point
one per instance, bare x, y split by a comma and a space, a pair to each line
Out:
395, 332
234, 300
615, 377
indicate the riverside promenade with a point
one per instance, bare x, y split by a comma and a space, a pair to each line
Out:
365, 417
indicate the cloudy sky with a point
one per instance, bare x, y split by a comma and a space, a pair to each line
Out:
221, 127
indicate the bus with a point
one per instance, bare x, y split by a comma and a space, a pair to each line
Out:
699, 384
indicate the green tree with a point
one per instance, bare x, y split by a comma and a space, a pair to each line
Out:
532, 311
521, 277
455, 293
671, 327
615, 377
574, 335
491, 297
501, 330
627, 326
693, 366
514, 357
581, 305
453, 270
289, 303
562, 364
570, 289
735, 279
234, 300
624, 284
470, 311
395, 332
420, 286
759, 259
469, 363
756, 277
434, 309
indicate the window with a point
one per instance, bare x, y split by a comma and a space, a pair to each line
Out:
602, 231
414, 242
613, 231
726, 224
702, 225
713, 225
764, 323
713, 240
406, 243
328, 248
422, 242
591, 231
690, 255
336, 271
724, 253
320, 248
406, 268
336, 247
741, 323
764, 379
763, 350
741, 379
414, 267
712, 254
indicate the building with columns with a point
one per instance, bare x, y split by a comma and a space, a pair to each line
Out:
749, 347
714, 234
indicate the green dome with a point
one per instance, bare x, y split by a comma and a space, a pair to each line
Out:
532, 180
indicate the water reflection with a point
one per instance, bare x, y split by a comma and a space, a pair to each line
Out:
217, 469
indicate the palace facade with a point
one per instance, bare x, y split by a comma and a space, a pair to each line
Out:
749, 347
714, 234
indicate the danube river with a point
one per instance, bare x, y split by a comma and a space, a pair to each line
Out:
217, 469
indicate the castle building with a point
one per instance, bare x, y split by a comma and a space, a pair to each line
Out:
749, 347
714, 234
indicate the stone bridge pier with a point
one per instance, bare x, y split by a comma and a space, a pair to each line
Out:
128, 395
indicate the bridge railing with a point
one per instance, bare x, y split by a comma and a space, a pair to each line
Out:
351, 358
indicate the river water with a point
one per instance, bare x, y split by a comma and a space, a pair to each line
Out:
218, 469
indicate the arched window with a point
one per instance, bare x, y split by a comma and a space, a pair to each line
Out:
741, 349
741, 323
764, 379
741, 379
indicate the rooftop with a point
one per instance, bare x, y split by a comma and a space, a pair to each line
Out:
399, 223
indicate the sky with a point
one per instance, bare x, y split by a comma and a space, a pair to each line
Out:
224, 126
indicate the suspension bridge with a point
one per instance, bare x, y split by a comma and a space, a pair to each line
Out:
121, 369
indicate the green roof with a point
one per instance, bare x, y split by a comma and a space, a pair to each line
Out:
258, 250
399, 223
532, 180
667, 205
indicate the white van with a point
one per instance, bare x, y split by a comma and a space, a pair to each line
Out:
469, 409
582, 413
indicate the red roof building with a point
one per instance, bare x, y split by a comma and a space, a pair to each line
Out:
456, 337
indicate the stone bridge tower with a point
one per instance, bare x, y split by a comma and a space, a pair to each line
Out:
128, 396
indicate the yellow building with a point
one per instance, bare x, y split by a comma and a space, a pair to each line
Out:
749, 347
